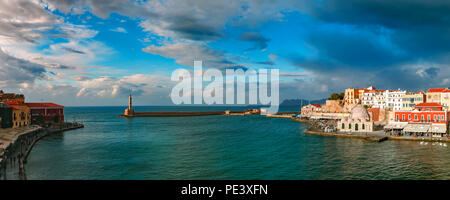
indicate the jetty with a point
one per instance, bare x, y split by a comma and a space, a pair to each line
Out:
130, 112
172, 114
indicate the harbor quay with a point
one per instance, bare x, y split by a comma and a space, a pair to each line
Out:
381, 114
17, 143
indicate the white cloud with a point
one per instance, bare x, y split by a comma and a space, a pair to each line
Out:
119, 29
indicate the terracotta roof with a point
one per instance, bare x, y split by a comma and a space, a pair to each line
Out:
13, 103
317, 105
428, 105
43, 105
437, 90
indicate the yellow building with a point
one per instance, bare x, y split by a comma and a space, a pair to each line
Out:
409, 100
351, 96
21, 115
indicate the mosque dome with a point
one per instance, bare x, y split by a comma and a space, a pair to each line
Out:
359, 113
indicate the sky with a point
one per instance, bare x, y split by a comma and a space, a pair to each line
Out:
94, 52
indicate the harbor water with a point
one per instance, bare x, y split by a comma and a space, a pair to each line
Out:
221, 147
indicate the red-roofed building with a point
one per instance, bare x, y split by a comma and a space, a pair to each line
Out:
434, 95
424, 113
46, 113
309, 109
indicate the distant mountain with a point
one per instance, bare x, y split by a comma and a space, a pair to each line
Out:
298, 102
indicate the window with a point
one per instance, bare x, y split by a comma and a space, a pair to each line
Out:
415, 117
397, 117
356, 127
349, 126
343, 126
403, 117
363, 126
429, 118
409, 117
422, 117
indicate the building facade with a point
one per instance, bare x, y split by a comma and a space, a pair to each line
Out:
394, 99
46, 113
21, 115
374, 98
412, 99
308, 110
445, 99
427, 119
5, 116
359, 121
434, 95
351, 96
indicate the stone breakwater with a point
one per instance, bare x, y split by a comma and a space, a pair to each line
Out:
17, 145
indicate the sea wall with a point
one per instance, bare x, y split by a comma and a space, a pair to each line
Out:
19, 143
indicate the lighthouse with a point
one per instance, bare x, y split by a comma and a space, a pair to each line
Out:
129, 111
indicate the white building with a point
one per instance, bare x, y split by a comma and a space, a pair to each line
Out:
394, 99
380, 100
374, 98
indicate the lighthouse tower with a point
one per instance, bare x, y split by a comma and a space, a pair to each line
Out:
129, 111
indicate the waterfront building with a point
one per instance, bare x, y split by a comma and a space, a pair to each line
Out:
445, 99
5, 115
308, 110
359, 121
46, 113
427, 119
411, 99
129, 111
394, 99
21, 115
434, 95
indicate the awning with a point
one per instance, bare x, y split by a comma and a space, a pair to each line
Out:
396, 125
438, 128
417, 128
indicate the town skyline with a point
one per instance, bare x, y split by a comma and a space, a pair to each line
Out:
86, 53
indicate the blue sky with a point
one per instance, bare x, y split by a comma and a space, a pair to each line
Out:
90, 52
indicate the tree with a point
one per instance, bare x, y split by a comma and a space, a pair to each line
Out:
336, 96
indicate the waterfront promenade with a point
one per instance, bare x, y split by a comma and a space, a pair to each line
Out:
17, 143
374, 136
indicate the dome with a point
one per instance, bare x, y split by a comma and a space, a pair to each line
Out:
360, 113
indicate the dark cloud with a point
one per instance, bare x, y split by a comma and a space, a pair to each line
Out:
193, 29
267, 62
73, 50
260, 42
419, 28
101, 8
15, 71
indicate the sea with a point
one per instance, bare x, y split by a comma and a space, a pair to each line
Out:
248, 147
